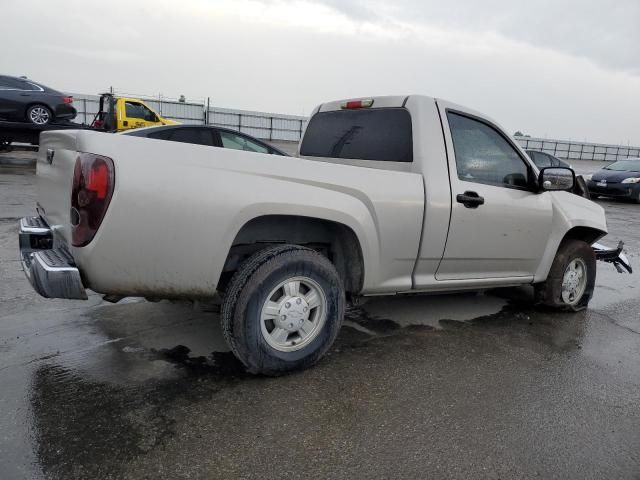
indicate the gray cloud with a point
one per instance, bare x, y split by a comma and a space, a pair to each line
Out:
607, 33
583, 84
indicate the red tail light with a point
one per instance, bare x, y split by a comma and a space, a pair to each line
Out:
93, 183
67, 99
355, 104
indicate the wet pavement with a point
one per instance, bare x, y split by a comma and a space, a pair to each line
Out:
448, 386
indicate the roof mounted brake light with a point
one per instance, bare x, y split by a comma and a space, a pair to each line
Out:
353, 104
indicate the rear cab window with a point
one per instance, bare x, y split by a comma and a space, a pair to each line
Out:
379, 134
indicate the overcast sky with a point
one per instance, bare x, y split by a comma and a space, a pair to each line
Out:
564, 69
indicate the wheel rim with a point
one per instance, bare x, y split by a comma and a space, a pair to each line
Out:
293, 314
574, 281
39, 115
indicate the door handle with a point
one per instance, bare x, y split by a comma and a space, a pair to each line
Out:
470, 199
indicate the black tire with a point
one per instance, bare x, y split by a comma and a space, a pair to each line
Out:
593, 196
549, 292
39, 111
247, 292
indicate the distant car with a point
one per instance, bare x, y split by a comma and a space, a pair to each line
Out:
542, 159
620, 179
23, 100
206, 135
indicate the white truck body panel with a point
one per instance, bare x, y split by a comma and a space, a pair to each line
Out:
177, 208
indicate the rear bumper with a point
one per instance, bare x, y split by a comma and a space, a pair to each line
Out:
49, 267
65, 112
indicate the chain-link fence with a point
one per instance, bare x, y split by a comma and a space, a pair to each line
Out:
268, 126
579, 150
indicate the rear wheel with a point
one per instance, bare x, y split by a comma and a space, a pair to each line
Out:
39, 115
571, 279
282, 309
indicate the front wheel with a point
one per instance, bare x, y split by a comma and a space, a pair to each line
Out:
571, 279
39, 115
282, 309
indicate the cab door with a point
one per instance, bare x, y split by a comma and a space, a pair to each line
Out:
136, 115
499, 224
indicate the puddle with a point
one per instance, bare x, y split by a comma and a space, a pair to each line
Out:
428, 310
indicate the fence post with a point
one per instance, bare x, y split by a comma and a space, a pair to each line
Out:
270, 128
300, 135
240, 122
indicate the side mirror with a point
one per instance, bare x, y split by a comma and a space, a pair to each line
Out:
556, 178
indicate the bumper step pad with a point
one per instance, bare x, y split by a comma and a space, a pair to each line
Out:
51, 272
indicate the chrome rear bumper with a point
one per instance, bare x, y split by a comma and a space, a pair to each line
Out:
49, 268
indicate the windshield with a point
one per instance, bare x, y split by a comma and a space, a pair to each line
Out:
625, 166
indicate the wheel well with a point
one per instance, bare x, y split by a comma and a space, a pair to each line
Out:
586, 234
336, 241
33, 104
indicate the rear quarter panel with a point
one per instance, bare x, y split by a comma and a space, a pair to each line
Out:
176, 209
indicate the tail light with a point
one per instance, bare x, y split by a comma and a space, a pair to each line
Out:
93, 183
355, 104
67, 99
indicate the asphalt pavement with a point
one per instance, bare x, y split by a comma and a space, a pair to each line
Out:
448, 386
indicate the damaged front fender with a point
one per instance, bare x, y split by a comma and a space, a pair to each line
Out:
613, 255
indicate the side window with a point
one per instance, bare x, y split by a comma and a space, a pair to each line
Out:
542, 160
483, 155
554, 161
31, 87
163, 134
240, 142
8, 83
198, 136
137, 110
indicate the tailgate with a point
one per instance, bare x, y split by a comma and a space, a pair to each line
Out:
56, 161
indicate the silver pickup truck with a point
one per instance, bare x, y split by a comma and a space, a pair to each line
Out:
388, 195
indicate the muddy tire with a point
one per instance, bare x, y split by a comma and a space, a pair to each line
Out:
572, 278
282, 309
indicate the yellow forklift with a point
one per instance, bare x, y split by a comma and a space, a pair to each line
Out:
122, 113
